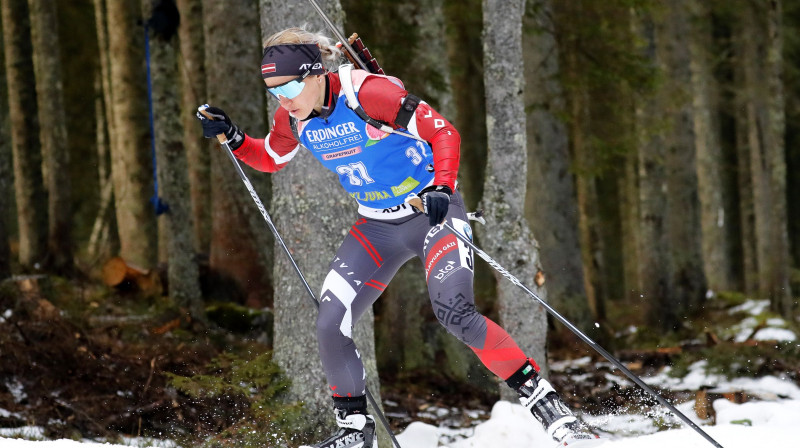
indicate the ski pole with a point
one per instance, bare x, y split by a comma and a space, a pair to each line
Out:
416, 202
224, 142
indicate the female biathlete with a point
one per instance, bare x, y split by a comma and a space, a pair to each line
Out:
380, 170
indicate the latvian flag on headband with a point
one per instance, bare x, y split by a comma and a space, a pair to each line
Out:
268, 68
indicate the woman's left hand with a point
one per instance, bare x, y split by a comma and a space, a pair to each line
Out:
435, 202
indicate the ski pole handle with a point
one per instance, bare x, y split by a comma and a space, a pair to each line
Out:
415, 201
221, 137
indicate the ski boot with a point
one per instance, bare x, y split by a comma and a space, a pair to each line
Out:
538, 396
356, 427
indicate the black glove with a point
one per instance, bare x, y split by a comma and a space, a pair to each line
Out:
435, 202
219, 123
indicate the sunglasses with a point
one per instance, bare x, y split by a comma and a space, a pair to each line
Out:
290, 89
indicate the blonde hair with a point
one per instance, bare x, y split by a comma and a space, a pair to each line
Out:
331, 54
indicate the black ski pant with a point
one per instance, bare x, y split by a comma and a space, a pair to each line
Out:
369, 257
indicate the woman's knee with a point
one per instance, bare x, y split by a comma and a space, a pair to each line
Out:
329, 325
469, 326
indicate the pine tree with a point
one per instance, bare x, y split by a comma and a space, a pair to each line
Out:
49, 93
31, 197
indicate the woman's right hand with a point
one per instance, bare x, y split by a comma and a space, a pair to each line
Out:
215, 122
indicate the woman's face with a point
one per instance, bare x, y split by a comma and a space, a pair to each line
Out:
310, 98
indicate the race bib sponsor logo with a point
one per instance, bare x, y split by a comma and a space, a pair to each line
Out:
408, 185
370, 195
446, 271
431, 233
374, 134
465, 254
331, 133
448, 244
395, 209
340, 154
340, 136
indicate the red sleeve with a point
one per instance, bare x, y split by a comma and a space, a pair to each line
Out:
273, 152
381, 99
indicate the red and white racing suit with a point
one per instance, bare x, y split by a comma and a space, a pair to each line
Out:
383, 238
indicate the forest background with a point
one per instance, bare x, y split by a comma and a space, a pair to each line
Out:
634, 158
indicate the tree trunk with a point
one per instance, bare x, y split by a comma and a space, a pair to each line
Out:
173, 180
776, 271
101, 245
193, 87
749, 260
551, 205
465, 57
586, 193
761, 48
240, 245
301, 212
509, 238
792, 21
629, 227
131, 166
715, 222
31, 197
653, 254
6, 173
49, 93
578, 102
463, 25
613, 124
683, 217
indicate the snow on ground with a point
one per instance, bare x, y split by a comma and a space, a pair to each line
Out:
770, 420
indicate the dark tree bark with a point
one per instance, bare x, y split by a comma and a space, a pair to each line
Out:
749, 259
717, 263
671, 274
240, 237
6, 172
49, 93
551, 204
683, 219
595, 67
465, 57
509, 238
462, 32
173, 179
193, 87
655, 277
31, 197
762, 95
